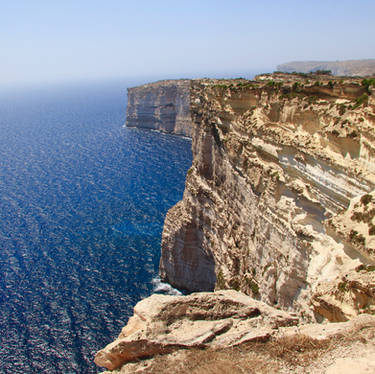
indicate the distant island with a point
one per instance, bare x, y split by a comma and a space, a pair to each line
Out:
348, 67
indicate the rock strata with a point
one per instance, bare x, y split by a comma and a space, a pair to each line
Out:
169, 325
276, 163
162, 106
163, 324
278, 204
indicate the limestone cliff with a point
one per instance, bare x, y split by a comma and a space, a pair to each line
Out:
279, 204
349, 67
163, 106
276, 163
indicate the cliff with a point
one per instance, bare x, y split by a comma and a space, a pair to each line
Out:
279, 204
348, 68
276, 164
162, 106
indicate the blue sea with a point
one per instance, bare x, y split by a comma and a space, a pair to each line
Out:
82, 204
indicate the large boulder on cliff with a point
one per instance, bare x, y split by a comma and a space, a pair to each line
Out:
162, 324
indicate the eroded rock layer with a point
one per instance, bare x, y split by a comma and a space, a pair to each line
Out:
222, 320
162, 106
163, 324
276, 163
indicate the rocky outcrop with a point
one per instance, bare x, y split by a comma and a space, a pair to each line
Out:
345, 298
348, 68
276, 163
162, 106
170, 325
163, 324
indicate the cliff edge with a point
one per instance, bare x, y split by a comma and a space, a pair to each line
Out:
349, 68
162, 106
278, 163
279, 207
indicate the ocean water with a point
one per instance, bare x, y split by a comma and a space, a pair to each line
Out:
82, 204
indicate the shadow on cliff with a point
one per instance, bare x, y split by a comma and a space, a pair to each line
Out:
185, 264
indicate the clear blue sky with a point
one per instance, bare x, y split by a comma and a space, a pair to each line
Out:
67, 40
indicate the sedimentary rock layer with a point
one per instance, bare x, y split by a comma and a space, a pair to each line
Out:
279, 204
162, 106
276, 163
163, 324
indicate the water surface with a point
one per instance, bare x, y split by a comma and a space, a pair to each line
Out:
82, 203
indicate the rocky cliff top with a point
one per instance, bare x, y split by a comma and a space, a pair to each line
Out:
349, 67
163, 106
227, 332
160, 84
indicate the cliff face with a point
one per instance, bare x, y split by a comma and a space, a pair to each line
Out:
276, 164
349, 67
163, 106
279, 204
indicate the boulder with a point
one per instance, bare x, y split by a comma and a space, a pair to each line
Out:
162, 324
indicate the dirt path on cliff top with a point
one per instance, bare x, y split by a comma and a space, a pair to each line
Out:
351, 354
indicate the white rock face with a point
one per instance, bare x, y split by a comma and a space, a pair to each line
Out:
279, 204
162, 106
272, 162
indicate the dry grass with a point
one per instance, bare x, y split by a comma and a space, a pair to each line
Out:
259, 358
292, 354
228, 361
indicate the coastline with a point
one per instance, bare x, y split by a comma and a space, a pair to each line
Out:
267, 207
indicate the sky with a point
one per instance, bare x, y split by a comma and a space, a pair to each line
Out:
44, 41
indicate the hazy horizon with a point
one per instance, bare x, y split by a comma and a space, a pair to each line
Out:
53, 42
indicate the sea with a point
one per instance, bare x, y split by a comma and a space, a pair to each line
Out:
82, 205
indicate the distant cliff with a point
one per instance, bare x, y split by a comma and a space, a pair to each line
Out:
162, 106
349, 67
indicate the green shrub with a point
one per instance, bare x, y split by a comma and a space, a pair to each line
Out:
254, 287
220, 281
297, 86
342, 109
322, 72
362, 100
343, 286
367, 83
357, 238
365, 199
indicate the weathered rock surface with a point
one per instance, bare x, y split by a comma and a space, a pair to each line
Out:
276, 163
279, 204
162, 324
353, 294
171, 325
326, 331
162, 106
349, 67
